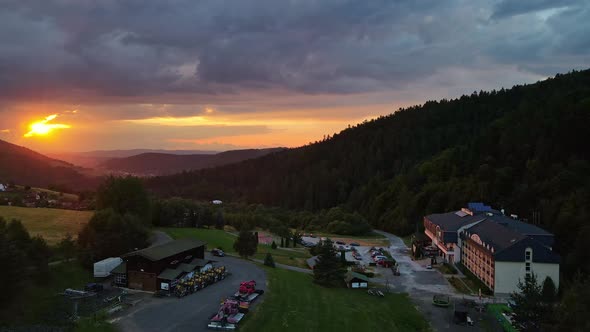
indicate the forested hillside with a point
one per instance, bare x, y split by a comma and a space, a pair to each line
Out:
23, 166
168, 163
524, 149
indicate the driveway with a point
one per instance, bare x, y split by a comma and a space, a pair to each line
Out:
192, 312
422, 284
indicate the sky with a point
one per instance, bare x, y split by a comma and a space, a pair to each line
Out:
221, 75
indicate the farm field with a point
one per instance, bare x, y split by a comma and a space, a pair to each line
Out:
51, 224
295, 303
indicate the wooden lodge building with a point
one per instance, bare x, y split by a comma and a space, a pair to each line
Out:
153, 268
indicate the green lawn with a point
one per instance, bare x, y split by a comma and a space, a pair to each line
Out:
459, 285
216, 238
52, 224
42, 303
292, 256
497, 310
295, 303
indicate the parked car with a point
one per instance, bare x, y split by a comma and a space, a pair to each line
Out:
354, 244
429, 267
93, 287
379, 258
340, 242
217, 252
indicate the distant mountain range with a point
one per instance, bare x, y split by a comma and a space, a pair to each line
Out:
93, 159
146, 164
27, 167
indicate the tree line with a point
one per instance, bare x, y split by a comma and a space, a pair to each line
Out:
522, 149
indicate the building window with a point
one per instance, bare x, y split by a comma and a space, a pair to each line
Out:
528, 254
528, 267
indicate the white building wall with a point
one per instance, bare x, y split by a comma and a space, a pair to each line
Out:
507, 274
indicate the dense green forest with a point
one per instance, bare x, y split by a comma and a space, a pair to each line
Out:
523, 149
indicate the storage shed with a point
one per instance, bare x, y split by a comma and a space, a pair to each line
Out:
356, 280
144, 267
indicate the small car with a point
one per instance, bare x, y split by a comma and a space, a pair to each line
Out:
217, 252
429, 266
354, 244
340, 242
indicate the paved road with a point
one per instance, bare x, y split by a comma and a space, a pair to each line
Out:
421, 284
192, 312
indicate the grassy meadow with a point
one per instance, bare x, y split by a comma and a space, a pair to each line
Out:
295, 303
52, 224
216, 238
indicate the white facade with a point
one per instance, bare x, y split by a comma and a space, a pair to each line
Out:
2, 187
507, 275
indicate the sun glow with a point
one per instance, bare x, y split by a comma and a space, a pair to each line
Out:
42, 128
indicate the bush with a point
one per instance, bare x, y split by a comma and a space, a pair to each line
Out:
269, 261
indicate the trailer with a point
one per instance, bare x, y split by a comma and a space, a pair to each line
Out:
103, 268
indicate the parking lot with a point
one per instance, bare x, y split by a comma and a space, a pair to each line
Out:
192, 312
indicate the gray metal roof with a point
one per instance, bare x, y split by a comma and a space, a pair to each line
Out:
168, 249
170, 274
509, 245
451, 221
354, 275
494, 234
517, 225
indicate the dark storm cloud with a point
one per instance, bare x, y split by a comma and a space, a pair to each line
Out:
77, 49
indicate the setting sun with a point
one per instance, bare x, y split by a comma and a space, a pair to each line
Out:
41, 128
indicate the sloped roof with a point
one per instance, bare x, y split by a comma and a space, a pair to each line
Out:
354, 275
168, 249
517, 225
452, 221
170, 274
495, 235
516, 252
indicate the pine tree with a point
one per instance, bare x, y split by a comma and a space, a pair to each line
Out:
273, 245
328, 270
529, 309
245, 244
282, 242
549, 292
269, 261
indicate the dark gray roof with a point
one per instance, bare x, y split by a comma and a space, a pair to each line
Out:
186, 267
452, 221
517, 225
168, 249
516, 252
509, 245
201, 262
494, 234
170, 274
